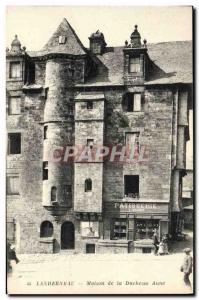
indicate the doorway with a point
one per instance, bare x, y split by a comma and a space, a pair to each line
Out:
67, 235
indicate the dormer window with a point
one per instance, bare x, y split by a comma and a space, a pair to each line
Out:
134, 65
62, 39
15, 70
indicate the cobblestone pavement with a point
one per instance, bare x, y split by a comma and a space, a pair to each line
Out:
98, 273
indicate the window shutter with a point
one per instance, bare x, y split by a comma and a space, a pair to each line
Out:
137, 102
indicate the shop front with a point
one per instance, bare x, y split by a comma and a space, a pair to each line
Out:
129, 226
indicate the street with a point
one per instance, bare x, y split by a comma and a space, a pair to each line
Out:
94, 273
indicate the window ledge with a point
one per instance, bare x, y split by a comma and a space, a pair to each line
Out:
47, 240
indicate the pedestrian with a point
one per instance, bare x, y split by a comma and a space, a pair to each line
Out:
155, 242
165, 245
186, 267
12, 254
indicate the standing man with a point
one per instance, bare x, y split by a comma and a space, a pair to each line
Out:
155, 242
186, 268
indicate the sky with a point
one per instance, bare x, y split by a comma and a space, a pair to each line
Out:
35, 24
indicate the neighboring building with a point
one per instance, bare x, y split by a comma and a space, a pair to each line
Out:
66, 94
187, 199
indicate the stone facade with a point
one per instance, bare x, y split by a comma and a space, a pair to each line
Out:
71, 96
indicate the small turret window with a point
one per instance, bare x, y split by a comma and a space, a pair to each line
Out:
53, 194
135, 65
88, 185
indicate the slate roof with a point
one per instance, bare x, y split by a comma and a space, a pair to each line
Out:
173, 58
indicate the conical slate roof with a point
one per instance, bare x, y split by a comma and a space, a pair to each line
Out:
72, 44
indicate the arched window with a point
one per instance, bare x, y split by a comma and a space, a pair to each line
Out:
53, 194
46, 229
88, 185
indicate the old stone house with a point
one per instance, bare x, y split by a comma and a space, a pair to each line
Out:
67, 95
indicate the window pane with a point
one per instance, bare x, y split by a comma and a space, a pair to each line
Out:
15, 69
14, 106
13, 185
14, 143
137, 102
135, 64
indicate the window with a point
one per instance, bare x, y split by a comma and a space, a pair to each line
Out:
120, 229
144, 229
135, 65
70, 109
15, 70
45, 132
132, 141
90, 143
46, 229
46, 93
62, 39
133, 102
45, 170
31, 73
89, 104
53, 194
11, 232
137, 102
14, 143
89, 229
131, 186
88, 185
13, 185
14, 106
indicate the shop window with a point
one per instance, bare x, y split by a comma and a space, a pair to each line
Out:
15, 70
132, 140
131, 186
146, 228
45, 170
133, 102
46, 229
90, 143
45, 132
13, 185
14, 106
62, 39
11, 232
88, 185
135, 65
53, 194
14, 143
89, 229
89, 104
120, 229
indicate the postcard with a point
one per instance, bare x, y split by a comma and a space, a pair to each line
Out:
99, 170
